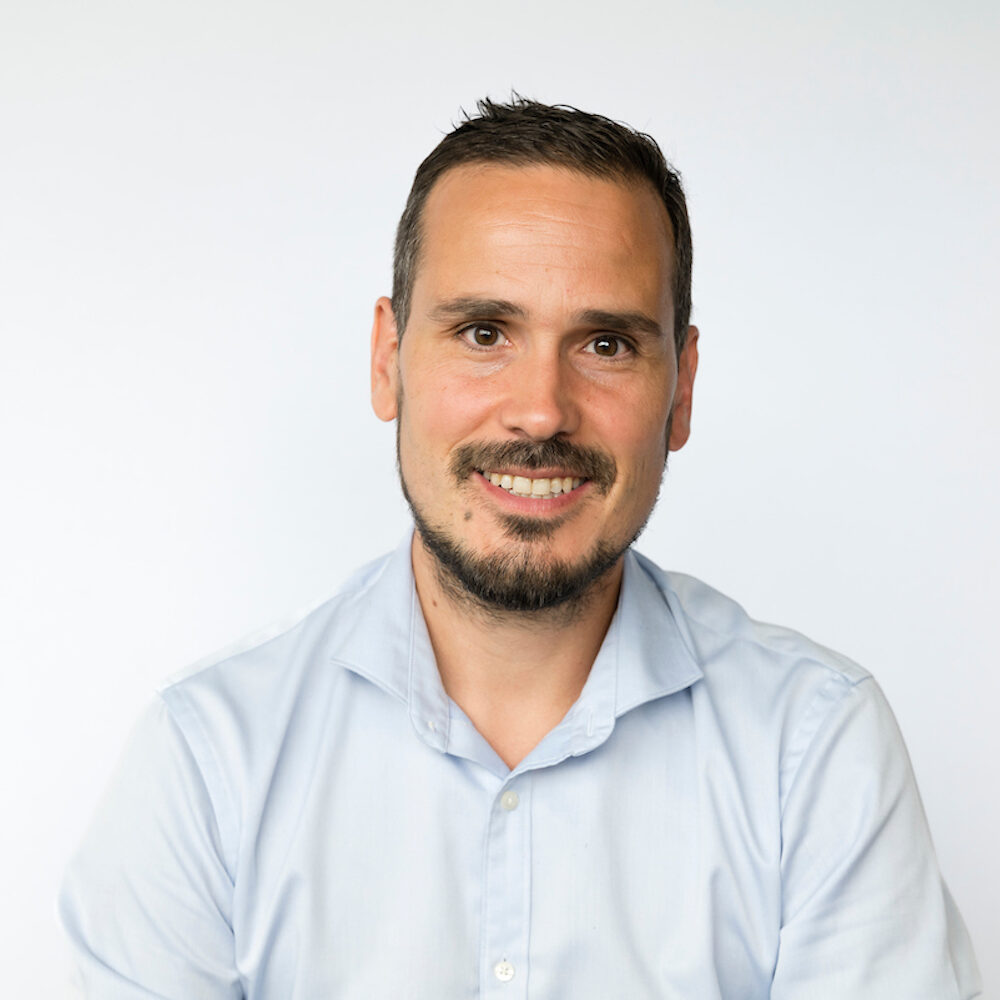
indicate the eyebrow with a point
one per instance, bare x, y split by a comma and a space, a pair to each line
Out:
620, 322
466, 308
472, 308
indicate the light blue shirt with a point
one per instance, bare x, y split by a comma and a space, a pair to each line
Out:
727, 811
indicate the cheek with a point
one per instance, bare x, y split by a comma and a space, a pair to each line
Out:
432, 423
446, 410
641, 443
642, 463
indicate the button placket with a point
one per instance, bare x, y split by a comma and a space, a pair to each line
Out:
506, 901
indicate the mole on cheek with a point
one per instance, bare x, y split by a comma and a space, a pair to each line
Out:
468, 515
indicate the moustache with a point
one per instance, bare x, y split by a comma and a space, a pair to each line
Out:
573, 459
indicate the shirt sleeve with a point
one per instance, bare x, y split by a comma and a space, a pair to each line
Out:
865, 913
147, 899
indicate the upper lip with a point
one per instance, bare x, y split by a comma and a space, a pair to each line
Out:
533, 473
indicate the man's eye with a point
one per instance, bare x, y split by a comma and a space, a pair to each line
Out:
481, 335
607, 346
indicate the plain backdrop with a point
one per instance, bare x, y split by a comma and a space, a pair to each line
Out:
197, 203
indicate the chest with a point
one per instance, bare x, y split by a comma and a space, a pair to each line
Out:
641, 869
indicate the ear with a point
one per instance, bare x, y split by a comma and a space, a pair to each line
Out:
687, 368
385, 361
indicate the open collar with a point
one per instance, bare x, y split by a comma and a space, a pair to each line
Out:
380, 634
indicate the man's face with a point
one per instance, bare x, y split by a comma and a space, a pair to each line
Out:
537, 386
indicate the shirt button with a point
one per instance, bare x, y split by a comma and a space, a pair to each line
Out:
510, 801
504, 971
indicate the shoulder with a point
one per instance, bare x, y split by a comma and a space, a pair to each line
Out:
775, 698
723, 638
770, 689
284, 653
235, 707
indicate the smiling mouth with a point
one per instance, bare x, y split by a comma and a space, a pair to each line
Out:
537, 489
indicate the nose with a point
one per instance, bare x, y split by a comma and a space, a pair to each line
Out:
539, 398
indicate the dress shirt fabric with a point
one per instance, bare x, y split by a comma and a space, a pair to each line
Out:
727, 811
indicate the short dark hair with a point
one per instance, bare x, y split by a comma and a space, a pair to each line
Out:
524, 132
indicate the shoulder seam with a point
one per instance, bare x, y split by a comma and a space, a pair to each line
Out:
815, 717
215, 786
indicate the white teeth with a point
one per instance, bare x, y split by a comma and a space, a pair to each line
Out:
543, 489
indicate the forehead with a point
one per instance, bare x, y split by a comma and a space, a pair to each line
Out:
487, 222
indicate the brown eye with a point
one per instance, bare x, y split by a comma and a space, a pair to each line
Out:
482, 336
607, 346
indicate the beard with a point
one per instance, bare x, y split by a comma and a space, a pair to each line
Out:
523, 578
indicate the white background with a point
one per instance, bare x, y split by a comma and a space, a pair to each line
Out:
197, 202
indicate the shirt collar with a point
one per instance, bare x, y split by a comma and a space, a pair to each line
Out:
380, 634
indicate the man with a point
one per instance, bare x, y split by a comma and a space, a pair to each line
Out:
515, 758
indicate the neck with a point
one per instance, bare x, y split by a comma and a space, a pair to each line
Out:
514, 674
